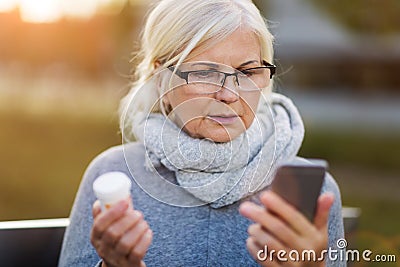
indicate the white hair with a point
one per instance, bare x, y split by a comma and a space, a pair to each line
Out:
173, 29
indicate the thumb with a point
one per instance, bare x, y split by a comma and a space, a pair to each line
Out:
324, 204
96, 209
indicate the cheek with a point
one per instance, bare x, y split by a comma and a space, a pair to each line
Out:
188, 111
183, 96
249, 103
248, 119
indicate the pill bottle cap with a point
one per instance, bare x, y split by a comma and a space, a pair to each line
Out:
112, 186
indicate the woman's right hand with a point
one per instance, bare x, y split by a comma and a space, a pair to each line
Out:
120, 235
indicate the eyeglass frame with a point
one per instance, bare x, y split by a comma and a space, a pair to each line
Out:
185, 74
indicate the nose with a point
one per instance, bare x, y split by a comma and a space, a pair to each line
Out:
228, 92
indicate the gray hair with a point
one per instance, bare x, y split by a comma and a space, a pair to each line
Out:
174, 28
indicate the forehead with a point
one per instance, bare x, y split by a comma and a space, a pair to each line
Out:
241, 46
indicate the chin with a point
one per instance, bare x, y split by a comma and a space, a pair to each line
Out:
222, 137
213, 131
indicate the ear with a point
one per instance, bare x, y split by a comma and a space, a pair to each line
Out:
157, 64
166, 101
166, 98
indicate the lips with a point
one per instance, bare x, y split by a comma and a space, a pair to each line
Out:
224, 119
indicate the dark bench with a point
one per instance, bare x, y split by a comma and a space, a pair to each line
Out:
31, 243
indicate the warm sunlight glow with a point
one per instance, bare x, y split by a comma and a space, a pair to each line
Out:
111, 6
47, 11
7, 5
40, 11
137, 2
78, 8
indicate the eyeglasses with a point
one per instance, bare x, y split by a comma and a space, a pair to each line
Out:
212, 80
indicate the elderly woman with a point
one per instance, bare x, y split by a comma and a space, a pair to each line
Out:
210, 134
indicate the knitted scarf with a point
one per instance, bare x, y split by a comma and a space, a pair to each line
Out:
223, 173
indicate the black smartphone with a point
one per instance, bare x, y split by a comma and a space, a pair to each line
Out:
300, 185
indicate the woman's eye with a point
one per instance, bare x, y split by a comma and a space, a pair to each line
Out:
248, 73
202, 74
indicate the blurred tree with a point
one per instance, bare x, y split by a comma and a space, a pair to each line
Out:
365, 16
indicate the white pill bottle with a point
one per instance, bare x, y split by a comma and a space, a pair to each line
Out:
112, 187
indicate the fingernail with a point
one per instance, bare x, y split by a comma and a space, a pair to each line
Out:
245, 207
149, 233
122, 205
138, 214
268, 196
264, 194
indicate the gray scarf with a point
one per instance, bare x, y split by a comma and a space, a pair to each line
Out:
223, 173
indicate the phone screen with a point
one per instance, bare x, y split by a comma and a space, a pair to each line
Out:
300, 186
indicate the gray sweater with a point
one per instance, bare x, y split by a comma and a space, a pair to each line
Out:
197, 236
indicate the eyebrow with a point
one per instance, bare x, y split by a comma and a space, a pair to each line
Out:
212, 65
215, 66
248, 63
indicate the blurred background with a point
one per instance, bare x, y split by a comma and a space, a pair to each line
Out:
65, 64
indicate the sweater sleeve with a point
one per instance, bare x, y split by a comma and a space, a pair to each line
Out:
77, 250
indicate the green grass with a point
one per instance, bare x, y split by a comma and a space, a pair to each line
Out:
43, 159
375, 151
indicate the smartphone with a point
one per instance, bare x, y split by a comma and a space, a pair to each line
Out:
300, 185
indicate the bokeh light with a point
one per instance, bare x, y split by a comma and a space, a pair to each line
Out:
40, 10
48, 11
8, 5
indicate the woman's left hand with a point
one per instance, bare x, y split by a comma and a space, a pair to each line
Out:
280, 227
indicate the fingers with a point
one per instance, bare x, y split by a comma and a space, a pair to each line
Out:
96, 209
284, 210
282, 226
325, 202
120, 235
118, 228
104, 219
268, 221
141, 247
259, 254
263, 239
130, 238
